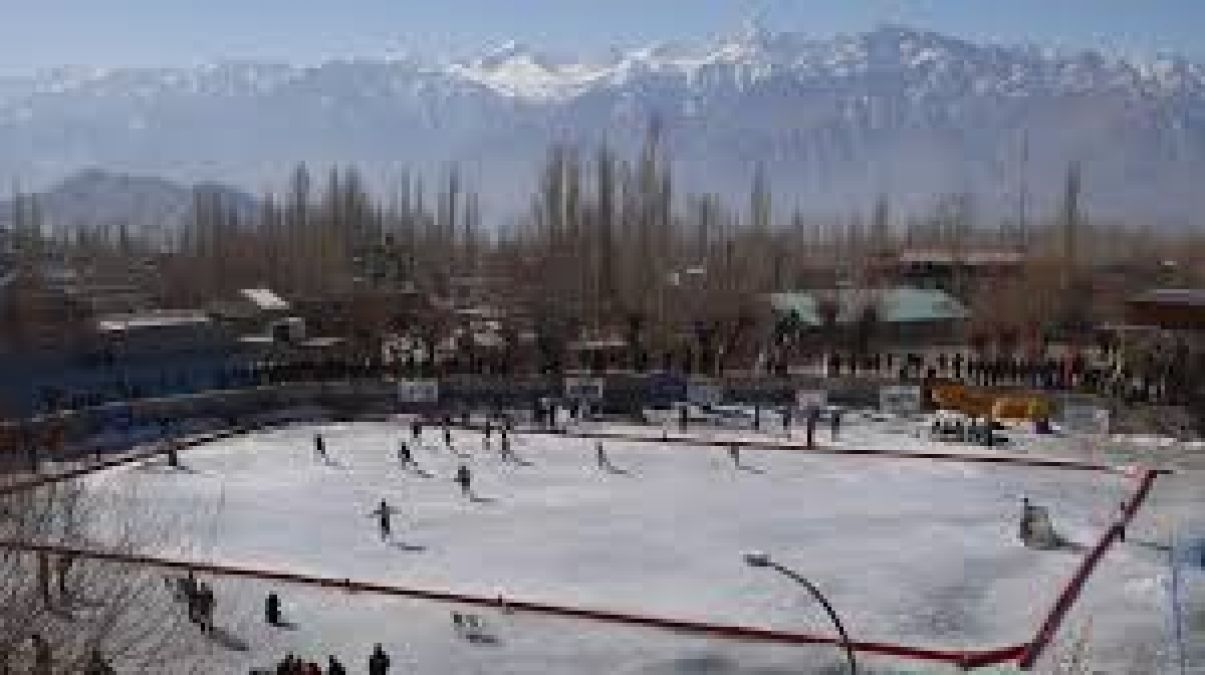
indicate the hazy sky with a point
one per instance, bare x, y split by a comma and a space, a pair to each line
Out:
41, 33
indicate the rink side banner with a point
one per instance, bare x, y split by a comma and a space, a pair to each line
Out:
900, 399
1086, 420
418, 391
704, 392
807, 399
584, 388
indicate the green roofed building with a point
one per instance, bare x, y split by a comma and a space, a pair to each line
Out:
899, 315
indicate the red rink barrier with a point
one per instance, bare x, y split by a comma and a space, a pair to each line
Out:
1075, 585
1025, 655
960, 658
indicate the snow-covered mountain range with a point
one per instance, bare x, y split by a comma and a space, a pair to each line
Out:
896, 111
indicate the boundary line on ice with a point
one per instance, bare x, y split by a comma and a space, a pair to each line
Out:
961, 658
1025, 654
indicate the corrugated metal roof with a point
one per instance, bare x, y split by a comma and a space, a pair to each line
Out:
895, 305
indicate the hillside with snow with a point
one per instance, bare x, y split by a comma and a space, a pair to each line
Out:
836, 122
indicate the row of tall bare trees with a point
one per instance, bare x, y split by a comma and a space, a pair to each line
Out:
614, 246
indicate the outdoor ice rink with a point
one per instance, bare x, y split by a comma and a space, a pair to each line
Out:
909, 551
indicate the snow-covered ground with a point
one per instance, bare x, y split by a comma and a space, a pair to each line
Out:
908, 551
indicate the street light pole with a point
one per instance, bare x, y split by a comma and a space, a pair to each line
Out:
763, 560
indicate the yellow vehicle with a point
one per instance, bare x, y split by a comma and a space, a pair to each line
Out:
999, 405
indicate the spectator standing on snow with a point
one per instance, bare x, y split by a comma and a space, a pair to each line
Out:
836, 422
97, 665
812, 419
272, 609
42, 660
378, 662
334, 667
507, 454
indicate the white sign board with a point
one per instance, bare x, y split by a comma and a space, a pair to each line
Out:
418, 391
703, 392
808, 399
1086, 420
584, 388
900, 399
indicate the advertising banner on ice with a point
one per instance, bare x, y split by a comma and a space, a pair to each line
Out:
704, 392
900, 399
418, 391
808, 399
584, 388
666, 388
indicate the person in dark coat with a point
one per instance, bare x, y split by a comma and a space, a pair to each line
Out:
378, 662
334, 667
272, 609
43, 662
813, 418
464, 478
384, 514
97, 665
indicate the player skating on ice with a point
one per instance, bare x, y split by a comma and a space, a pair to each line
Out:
604, 460
320, 447
464, 478
404, 456
734, 452
384, 515
416, 429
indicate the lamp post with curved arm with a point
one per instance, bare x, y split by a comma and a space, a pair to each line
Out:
763, 560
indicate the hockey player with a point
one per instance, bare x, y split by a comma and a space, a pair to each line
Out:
734, 451
835, 424
604, 463
384, 514
404, 457
416, 429
320, 447
447, 429
464, 478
